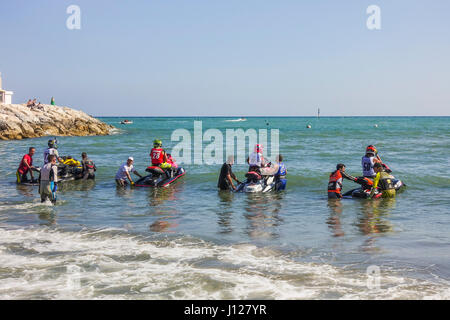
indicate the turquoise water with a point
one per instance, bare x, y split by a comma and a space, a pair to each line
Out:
189, 241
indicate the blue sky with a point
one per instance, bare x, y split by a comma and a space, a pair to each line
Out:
241, 58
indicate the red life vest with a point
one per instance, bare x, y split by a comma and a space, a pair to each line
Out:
22, 167
333, 185
157, 156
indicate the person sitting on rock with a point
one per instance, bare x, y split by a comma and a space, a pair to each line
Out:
29, 103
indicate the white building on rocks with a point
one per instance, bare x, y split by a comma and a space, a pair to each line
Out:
5, 96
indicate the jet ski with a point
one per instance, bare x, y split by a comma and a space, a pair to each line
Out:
262, 181
34, 182
159, 177
363, 192
70, 169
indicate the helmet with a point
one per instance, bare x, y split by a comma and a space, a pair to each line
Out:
258, 148
157, 143
52, 143
371, 149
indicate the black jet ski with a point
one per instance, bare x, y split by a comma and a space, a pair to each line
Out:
70, 169
159, 177
363, 192
262, 181
34, 182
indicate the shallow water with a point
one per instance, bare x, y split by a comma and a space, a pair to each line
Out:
189, 241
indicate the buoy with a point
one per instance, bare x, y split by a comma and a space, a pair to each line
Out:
308, 126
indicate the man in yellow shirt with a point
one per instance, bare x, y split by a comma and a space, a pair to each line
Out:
383, 180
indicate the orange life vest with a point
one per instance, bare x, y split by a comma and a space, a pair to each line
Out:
333, 184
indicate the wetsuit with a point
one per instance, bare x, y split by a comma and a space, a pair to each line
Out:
335, 183
223, 183
48, 178
280, 176
89, 169
383, 180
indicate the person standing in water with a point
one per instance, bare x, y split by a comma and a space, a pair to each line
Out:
226, 175
280, 176
335, 183
124, 173
26, 166
48, 180
89, 167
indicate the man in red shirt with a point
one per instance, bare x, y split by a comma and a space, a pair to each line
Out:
26, 166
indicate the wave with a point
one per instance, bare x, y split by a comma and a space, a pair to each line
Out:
47, 263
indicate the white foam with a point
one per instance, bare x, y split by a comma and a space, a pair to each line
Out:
42, 262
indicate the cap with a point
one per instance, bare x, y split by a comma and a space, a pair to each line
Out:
130, 158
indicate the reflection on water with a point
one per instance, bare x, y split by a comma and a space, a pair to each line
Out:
263, 214
27, 191
225, 211
371, 219
76, 185
334, 220
167, 216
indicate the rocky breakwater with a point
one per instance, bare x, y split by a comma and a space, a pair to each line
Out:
17, 121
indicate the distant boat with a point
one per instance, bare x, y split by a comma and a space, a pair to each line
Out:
126, 122
237, 120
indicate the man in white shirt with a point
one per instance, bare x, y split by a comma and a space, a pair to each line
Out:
124, 173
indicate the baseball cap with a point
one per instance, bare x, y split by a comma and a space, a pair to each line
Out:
130, 158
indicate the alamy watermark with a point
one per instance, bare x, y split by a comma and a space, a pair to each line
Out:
373, 277
213, 146
374, 20
73, 22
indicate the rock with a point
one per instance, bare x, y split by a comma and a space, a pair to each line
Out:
17, 121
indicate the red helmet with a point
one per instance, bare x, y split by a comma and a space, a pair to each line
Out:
258, 148
371, 149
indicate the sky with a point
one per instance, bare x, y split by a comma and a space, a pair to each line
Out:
229, 57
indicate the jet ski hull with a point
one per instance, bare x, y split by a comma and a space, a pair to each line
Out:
262, 185
363, 192
159, 179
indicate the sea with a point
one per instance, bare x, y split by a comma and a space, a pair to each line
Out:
190, 241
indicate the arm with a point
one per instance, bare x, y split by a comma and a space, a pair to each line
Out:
29, 168
348, 177
234, 177
129, 177
230, 181
137, 173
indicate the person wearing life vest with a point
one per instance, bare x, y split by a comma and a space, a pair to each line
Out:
52, 149
48, 179
280, 176
26, 166
159, 156
89, 167
256, 160
368, 161
384, 182
171, 161
335, 183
